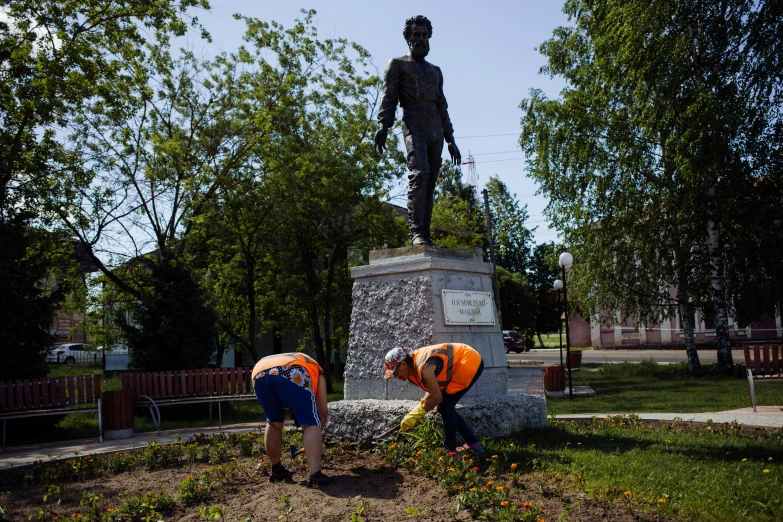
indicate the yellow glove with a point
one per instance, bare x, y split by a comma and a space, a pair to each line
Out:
413, 417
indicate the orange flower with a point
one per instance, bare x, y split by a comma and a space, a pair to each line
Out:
527, 505
440, 459
662, 501
474, 469
451, 453
504, 503
495, 457
490, 483
418, 453
501, 488
484, 490
461, 487
466, 457
449, 469
627, 493
514, 466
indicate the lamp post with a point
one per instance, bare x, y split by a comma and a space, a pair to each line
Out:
559, 286
566, 260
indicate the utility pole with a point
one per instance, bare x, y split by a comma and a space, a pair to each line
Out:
495, 289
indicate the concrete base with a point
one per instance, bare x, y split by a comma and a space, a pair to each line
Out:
397, 302
364, 420
118, 434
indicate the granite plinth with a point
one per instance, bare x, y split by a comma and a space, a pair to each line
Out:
365, 420
397, 302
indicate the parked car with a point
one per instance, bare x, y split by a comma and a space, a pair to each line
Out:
516, 341
67, 353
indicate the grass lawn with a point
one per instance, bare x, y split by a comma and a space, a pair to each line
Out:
552, 340
650, 387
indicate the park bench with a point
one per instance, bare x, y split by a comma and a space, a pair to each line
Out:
22, 398
203, 385
762, 368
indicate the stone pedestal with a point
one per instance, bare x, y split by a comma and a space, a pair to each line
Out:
397, 302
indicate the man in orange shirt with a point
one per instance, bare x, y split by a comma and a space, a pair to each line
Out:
293, 383
446, 372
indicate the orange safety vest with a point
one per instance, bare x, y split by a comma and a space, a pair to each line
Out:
291, 359
460, 363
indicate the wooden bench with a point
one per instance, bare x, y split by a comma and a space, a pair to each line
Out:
203, 385
40, 397
762, 368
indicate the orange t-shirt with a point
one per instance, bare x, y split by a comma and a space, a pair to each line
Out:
291, 359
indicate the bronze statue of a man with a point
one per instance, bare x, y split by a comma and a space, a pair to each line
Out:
418, 87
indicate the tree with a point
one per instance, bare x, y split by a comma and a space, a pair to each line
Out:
542, 274
512, 239
457, 215
33, 283
639, 154
54, 55
519, 305
170, 328
324, 183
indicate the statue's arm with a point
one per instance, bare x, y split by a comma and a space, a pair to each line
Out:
448, 129
390, 94
389, 97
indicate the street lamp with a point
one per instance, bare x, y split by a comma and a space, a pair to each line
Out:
566, 260
559, 286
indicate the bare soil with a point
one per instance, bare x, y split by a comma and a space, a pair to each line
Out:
359, 474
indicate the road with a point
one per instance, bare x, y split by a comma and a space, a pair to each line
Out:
601, 356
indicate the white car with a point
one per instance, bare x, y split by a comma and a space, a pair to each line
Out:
68, 353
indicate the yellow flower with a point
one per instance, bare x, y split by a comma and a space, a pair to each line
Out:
512, 444
449, 469
743, 460
627, 493
766, 471
504, 503
440, 459
662, 501
473, 490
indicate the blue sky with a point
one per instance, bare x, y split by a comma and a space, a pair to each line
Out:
486, 51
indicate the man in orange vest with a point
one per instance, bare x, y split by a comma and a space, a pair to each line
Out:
293, 383
446, 372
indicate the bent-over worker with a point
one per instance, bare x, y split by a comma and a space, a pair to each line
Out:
292, 382
446, 372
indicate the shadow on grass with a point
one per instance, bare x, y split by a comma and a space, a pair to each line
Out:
556, 443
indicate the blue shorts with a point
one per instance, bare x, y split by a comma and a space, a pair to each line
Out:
276, 393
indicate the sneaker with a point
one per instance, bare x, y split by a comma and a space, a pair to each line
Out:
319, 479
283, 476
477, 447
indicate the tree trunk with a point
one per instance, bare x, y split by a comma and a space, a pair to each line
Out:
277, 343
540, 341
252, 333
686, 316
722, 340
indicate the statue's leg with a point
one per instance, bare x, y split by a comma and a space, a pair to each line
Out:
434, 150
418, 182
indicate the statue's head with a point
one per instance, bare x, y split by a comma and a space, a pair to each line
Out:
417, 32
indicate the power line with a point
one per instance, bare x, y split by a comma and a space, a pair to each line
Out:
490, 153
495, 161
487, 136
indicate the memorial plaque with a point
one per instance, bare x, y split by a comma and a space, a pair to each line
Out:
468, 308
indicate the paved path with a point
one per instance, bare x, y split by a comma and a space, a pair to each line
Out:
552, 356
22, 455
766, 416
